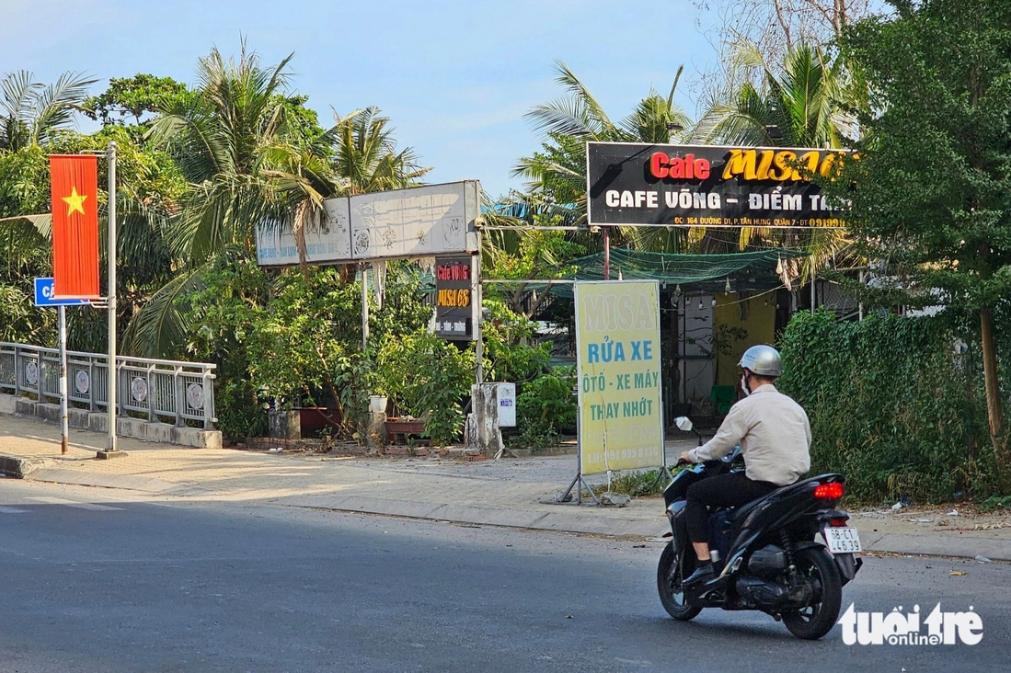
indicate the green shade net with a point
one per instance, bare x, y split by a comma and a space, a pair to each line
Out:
698, 273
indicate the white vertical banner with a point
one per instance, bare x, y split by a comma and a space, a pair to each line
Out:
620, 398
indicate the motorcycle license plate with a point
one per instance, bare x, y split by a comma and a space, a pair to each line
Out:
842, 540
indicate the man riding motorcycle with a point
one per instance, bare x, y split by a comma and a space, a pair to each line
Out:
774, 434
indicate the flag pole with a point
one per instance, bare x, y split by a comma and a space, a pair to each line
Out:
64, 428
111, 445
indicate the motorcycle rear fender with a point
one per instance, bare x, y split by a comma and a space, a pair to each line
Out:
847, 564
813, 522
780, 509
827, 515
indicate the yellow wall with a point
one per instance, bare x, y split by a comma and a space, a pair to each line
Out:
757, 316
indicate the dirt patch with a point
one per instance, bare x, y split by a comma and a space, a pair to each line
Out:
962, 518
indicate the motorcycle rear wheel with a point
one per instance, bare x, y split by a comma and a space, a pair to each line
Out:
672, 596
818, 618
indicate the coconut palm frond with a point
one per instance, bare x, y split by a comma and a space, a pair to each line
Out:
55, 105
18, 89
366, 159
43, 224
566, 116
159, 329
580, 92
30, 112
742, 122
655, 120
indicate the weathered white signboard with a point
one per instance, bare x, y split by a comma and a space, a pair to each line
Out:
329, 240
417, 222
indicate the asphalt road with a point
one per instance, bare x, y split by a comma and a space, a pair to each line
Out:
92, 581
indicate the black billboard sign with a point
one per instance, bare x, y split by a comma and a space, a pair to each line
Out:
697, 185
455, 289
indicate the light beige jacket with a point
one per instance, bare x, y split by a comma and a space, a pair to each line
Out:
774, 434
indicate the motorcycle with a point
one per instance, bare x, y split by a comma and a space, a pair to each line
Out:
766, 554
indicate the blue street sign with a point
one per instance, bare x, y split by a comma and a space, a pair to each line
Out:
44, 295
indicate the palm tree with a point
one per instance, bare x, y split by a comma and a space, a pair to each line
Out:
366, 158
30, 112
220, 137
805, 101
248, 159
558, 173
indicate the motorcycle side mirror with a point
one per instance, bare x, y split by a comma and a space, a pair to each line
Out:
684, 423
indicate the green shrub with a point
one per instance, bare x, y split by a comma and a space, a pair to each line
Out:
240, 414
892, 406
508, 350
638, 483
293, 339
546, 408
426, 377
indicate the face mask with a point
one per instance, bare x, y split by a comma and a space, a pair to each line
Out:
744, 385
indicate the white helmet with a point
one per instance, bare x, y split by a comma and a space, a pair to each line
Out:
762, 360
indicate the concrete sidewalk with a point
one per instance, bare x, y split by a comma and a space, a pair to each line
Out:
509, 492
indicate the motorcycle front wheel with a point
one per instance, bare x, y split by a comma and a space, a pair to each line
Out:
819, 616
668, 584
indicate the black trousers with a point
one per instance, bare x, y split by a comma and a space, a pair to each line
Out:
726, 490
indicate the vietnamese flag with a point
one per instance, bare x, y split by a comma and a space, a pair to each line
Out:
75, 225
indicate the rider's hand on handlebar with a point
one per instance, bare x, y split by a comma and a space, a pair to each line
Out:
683, 459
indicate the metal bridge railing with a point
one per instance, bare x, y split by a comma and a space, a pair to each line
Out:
161, 389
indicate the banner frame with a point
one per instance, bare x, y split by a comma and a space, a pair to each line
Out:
579, 479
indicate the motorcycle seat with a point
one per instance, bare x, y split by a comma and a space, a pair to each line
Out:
741, 512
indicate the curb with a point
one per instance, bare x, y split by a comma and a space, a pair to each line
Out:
562, 521
19, 468
57, 475
940, 545
570, 521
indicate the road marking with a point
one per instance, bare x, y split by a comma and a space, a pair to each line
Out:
79, 505
12, 510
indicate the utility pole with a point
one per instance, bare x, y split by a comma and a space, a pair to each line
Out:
365, 308
607, 254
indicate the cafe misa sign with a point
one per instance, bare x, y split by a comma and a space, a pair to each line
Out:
455, 298
695, 185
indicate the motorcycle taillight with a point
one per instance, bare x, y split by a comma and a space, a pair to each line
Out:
832, 491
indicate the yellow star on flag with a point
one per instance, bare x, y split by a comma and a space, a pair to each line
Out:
75, 202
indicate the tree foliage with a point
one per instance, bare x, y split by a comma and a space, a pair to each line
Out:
526, 256
250, 153
771, 29
139, 97
933, 186
892, 405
